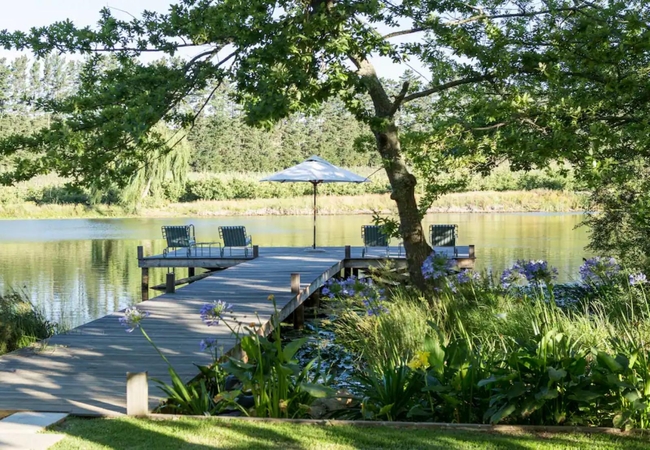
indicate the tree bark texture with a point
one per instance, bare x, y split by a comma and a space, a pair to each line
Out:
401, 180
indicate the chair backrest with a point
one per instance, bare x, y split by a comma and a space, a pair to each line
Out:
443, 235
233, 236
374, 236
179, 235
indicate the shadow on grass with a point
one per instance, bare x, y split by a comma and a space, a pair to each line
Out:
239, 434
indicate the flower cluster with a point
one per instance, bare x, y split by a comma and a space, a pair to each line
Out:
437, 265
598, 271
212, 313
352, 286
375, 307
132, 318
637, 278
467, 276
536, 272
207, 344
421, 361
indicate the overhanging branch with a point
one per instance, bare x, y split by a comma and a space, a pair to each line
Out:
445, 86
403, 32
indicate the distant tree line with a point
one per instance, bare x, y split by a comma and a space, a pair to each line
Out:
220, 142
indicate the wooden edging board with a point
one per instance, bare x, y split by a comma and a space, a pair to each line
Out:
505, 429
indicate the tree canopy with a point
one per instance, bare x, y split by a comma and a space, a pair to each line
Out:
527, 80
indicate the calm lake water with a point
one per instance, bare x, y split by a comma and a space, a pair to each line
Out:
77, 270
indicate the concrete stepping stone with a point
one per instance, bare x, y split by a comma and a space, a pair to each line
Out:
22, 431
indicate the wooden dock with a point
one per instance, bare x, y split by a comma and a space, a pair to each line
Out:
84, 371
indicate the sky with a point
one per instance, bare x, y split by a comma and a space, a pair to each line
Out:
24, 14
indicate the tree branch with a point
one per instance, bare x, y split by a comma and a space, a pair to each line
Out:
520, 14
399, 99
403, 32
444, 87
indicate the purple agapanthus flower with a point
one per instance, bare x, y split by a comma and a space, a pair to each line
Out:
132, 318
467, 276
437, 265
207, 344
599, 270
535, 272
375, 307
212, 313
638, 278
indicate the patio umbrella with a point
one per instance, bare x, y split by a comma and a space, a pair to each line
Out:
315, 170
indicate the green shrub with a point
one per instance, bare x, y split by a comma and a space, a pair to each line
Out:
21, 324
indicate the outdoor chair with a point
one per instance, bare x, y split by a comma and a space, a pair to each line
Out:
444, 236
235, 236
179, 236
374, 236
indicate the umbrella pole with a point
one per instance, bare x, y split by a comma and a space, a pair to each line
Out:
314, 244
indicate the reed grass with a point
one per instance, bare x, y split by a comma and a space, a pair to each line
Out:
21, 324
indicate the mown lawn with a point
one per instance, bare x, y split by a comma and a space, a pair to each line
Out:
128, 433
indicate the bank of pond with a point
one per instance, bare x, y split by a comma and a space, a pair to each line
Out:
471, 348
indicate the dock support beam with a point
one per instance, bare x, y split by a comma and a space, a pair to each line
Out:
137, 394
145, 284
299, 312
170, 283
145, 276
191, 271
348, 254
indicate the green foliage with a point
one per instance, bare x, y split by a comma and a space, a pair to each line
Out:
280, 387
21, 324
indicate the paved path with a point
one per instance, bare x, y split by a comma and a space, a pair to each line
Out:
84, 371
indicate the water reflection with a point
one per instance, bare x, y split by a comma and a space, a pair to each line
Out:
78, 270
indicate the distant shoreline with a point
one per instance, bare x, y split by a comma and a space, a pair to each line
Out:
465, 202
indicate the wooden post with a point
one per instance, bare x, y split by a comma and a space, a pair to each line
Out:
348, 252
256, 251
314, 300
355, 272
137, 394
145, 284
299, 312
191, 271
170, 284
140, 252
471, 252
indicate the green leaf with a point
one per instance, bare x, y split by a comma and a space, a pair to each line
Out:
556, 374
504, 412
611, 363
318, 390
292, 347
516, 390
585, 396
385, 409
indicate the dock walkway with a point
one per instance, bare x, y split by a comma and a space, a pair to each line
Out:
83, 371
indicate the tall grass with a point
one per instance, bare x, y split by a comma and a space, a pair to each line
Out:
388, 340
21, 324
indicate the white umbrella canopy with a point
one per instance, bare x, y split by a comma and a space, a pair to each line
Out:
315, 170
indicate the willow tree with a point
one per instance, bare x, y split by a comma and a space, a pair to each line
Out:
284, 57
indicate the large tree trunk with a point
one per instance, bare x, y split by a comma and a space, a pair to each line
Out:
403, 185
401, 180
